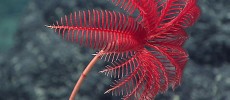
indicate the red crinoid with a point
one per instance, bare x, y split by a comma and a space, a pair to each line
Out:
145, 51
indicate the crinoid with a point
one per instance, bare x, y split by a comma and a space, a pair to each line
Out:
145, 51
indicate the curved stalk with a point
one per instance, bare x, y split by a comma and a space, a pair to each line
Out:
83, 75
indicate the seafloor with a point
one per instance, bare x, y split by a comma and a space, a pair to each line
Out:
36, 64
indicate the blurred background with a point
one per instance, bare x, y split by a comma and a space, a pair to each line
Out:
36, 64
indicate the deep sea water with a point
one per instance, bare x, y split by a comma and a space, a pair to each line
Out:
10, 13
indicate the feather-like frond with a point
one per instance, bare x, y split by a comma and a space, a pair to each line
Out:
169, 37
114, 56
98, 29
146, 79
177, 14
121, 67
147, 9
173, 58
